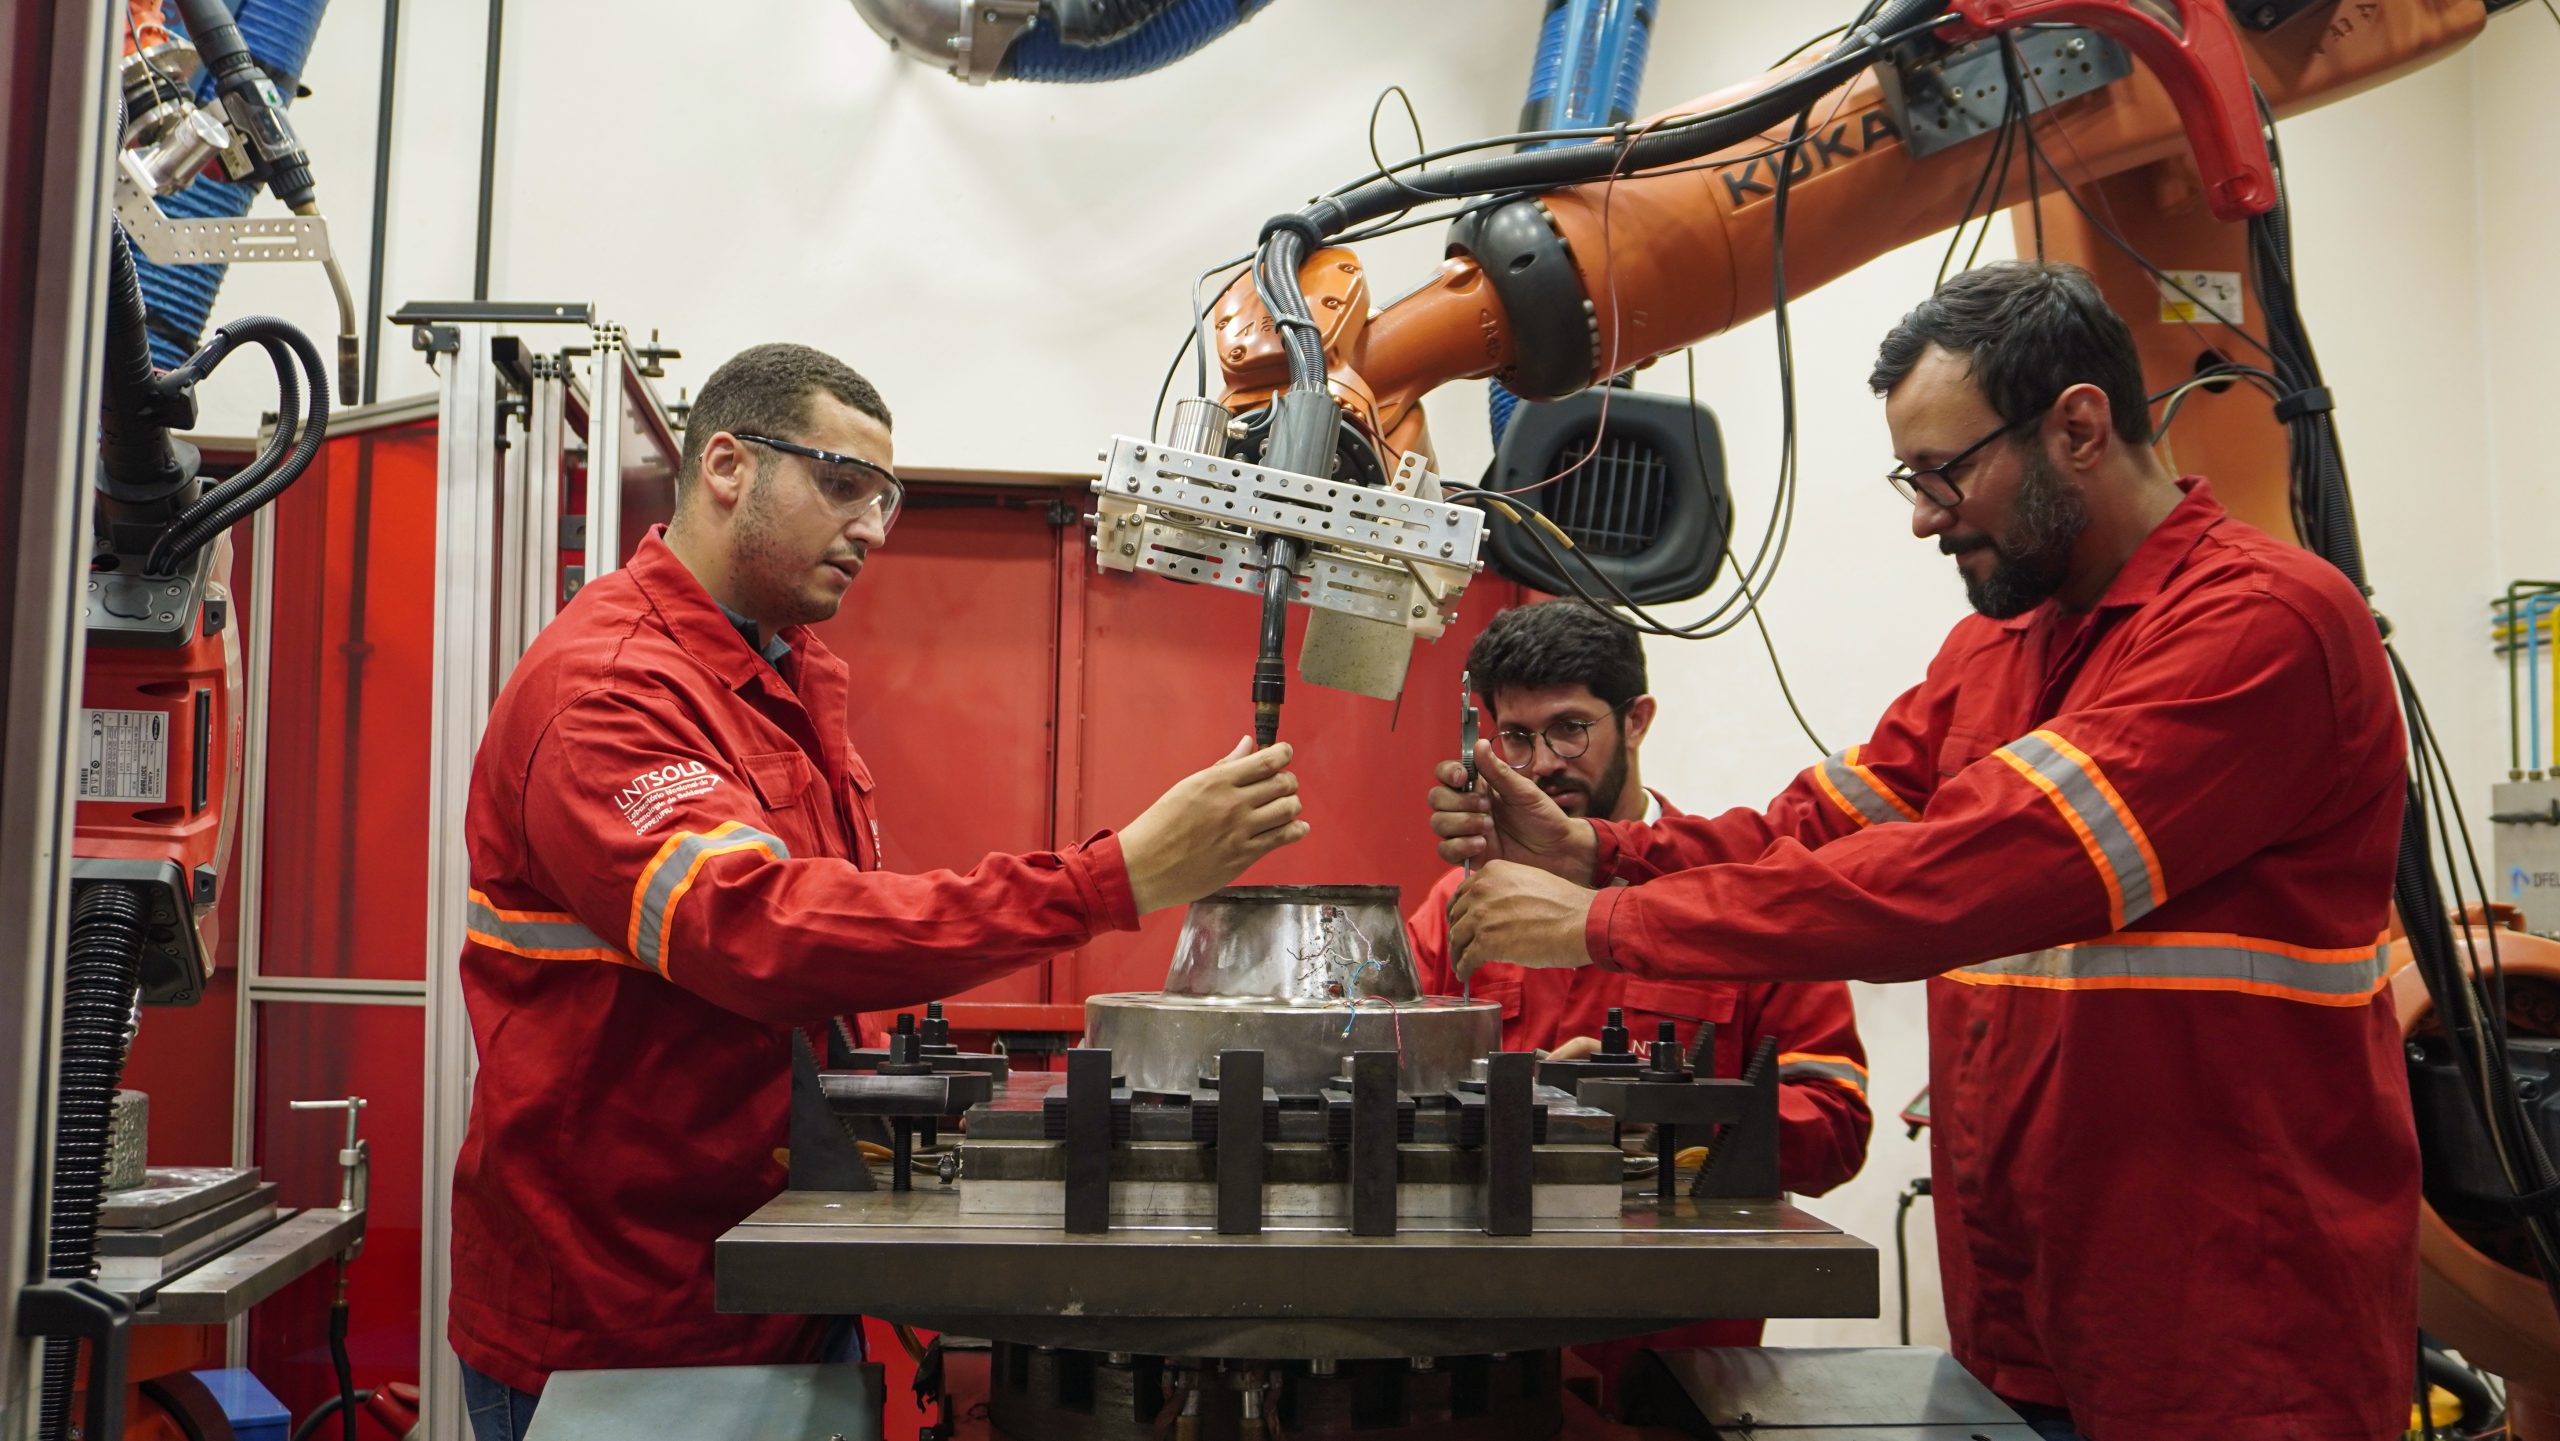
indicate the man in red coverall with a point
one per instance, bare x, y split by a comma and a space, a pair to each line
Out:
674, 865
2137, 824
1564, 691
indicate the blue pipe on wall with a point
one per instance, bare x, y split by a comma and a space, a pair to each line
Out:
1591, 56
180, 297
1179, 31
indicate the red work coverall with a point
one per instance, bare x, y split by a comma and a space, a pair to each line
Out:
672, 866
1822, 1069
2144, 853
1823, 1120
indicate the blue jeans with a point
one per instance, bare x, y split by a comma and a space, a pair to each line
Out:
499, 1412
2050, 1422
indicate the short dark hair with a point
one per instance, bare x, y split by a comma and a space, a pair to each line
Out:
1557, 642
765, 390
2030, 329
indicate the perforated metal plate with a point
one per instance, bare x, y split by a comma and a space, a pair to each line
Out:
217, 241
1385, 555
1326, 512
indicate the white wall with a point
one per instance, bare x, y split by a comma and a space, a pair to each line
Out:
1008, 263
2518, 296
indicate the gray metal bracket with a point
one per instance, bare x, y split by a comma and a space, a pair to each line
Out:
1941, 99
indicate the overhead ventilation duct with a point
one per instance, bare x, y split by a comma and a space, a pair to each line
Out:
1590, 64
1055, 40
180, 297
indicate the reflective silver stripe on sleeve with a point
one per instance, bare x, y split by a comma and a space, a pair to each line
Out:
1846, 1075
2099, 965
518, 935
668, 872
2115, 838
1876, 808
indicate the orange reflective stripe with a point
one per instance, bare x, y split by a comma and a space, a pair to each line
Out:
1822, 779
1793, 1056
1856, 791
482, 902
640, 888
669, 875
1880, 788
1811, 1066
2113, 839
2195, 961
537, 935
2115, 802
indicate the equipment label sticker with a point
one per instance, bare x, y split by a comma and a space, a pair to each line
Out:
124, 755
2202, 297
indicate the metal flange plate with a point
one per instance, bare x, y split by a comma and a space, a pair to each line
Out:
1390, 555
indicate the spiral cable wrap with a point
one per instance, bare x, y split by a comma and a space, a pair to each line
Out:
100, 987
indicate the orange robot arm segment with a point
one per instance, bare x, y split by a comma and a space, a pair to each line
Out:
1550, 294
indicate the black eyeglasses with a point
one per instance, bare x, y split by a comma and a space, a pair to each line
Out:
1567, 738
847, 482
1936, 483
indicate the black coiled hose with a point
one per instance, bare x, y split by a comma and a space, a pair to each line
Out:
102, 983
141, 461
285, 459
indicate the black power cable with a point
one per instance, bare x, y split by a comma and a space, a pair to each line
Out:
1918, 1188
349, 1403
288, 453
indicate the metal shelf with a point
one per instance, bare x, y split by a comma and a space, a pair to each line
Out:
225, 1286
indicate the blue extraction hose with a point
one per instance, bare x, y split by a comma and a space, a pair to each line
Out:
180, 297
1590, 64
1184, 27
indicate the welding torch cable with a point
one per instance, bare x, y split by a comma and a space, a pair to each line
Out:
1668, 140
1197, 339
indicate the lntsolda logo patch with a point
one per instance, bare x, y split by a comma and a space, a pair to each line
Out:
647, 798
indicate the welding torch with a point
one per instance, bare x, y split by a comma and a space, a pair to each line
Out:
1468, 724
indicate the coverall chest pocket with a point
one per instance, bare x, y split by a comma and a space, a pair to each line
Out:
788, 786
1962, 747
1686, 1005
1502, 989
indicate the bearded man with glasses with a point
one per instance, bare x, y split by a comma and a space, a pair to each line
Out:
2136, 827
673, 867
1564, 694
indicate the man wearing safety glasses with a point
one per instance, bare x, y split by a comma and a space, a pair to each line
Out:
2136, 826
1564, 691
673, 866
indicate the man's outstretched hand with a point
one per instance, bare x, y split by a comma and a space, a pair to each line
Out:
1521, 915
1214, 823
1507, 818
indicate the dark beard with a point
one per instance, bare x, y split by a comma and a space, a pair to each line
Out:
2035, 559
1613, 781
1600, 800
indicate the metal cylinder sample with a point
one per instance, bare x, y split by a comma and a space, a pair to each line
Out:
1167, 1043
1312, 945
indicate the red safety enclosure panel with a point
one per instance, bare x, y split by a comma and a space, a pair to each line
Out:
1162, 675
347, 727
951, 637
182, 1060
312, 1052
